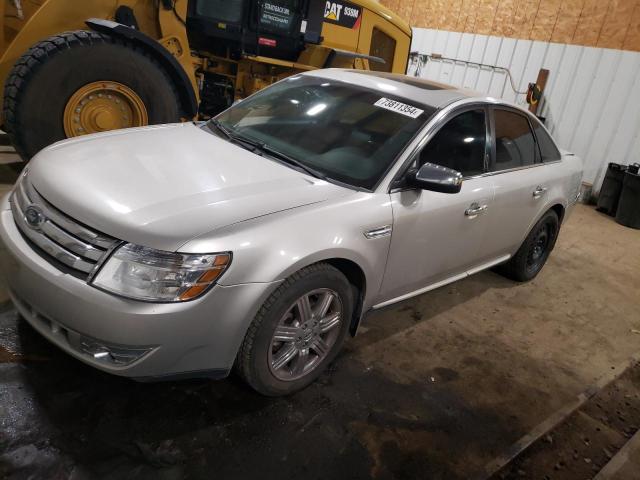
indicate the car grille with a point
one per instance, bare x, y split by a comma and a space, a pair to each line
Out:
56, 234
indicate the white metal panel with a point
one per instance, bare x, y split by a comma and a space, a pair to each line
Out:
633, 153
593, 123
485, 77
505, 55
452, 50
625, 98
556, 100
554, 59
472, 72
592, 98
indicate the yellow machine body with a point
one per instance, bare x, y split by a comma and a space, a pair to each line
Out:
379, 33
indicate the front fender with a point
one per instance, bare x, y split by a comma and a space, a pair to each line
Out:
273, 247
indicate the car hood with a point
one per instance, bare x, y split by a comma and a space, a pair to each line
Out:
161, 186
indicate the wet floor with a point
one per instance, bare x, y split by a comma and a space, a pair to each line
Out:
433, 388
62, 418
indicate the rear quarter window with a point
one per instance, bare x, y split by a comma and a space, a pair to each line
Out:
548, 150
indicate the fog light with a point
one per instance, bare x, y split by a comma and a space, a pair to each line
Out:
109, 354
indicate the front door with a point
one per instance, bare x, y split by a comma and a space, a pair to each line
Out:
436, 235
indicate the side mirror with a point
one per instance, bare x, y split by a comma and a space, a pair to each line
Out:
435, 178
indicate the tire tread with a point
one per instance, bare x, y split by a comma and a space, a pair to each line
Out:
243, 358
514, 269
28, 65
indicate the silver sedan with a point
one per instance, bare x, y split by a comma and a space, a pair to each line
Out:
259, 239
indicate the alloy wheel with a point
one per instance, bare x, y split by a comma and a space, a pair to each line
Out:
305, 334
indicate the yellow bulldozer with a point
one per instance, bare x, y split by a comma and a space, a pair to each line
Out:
73, 67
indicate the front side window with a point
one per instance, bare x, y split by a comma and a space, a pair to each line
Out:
460, 144
383, 46
515, 144
346, 132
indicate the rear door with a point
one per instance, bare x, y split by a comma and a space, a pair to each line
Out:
521, 178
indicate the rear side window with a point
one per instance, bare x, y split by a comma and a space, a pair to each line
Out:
515, 143
460, 144
548, 149
383, 46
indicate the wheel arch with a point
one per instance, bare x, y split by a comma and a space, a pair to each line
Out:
184, 86
555, 206
350, 268
560, 211
358, 281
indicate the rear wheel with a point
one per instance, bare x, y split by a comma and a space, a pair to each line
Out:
83, 82
298, 331
534, 251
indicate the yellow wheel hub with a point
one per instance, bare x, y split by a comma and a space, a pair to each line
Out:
101, 106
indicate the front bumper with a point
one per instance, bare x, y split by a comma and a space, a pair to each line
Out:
196, 338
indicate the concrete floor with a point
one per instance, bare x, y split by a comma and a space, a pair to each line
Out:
626, 466
435, 387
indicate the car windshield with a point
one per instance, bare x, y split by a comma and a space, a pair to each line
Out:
344, 132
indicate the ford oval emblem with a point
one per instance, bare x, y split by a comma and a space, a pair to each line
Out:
34, 217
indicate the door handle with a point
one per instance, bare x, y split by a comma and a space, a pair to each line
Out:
475, 209
539, 191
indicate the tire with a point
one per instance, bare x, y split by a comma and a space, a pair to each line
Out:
45, 78
529, 259
258, 354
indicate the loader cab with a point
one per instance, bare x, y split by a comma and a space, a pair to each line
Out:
269, 28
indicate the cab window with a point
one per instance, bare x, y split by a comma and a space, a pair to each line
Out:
227, 11
515, 143
460, 144
383, 46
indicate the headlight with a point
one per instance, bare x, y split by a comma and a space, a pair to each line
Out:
146, 274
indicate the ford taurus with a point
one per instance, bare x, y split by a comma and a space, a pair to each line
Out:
259, 239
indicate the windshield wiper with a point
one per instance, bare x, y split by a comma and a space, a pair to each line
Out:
264, 148
221, 128
290, 160
245, 142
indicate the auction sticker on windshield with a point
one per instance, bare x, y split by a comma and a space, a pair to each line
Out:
399, 107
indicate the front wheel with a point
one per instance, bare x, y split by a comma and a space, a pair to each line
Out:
298, 331
534, 251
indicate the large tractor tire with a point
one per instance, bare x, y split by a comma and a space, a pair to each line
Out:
83, 82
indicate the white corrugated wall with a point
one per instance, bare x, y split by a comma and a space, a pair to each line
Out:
591, 102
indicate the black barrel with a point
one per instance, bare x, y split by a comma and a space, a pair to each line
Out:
629, 205
611, 188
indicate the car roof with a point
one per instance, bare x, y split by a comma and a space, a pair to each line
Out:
426, 92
